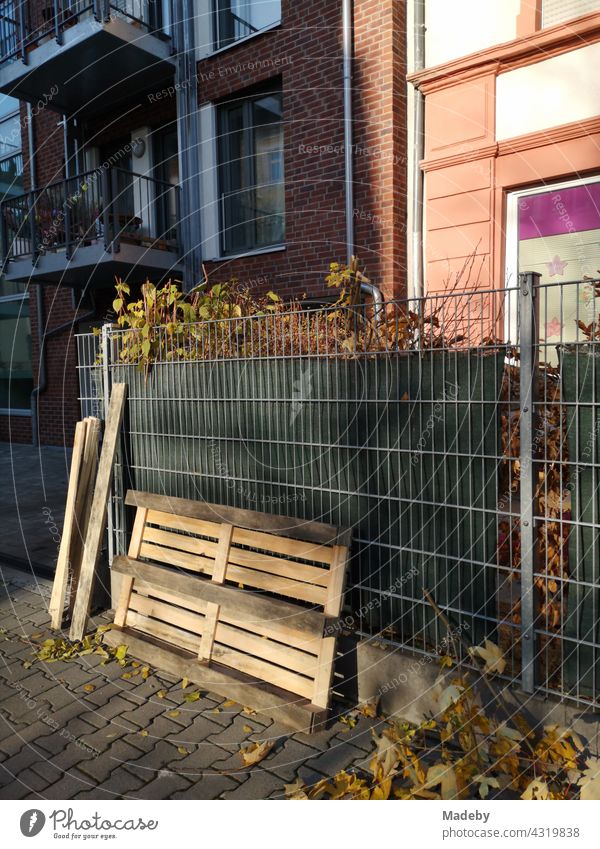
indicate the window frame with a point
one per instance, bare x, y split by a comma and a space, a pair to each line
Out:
511, 244
215, 19
224, 160
22, 297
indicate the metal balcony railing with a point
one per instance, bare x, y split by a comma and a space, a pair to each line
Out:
25, 23
107, 206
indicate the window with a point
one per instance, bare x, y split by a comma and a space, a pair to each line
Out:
11, 159
235, 19
555, 230
251, 173
558, 11
16, 375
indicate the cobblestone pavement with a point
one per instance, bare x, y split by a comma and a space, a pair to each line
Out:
32, 502
61, 739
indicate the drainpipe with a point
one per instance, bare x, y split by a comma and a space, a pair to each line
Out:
187, 118
39, 298
347, 27
418, 287
42, 339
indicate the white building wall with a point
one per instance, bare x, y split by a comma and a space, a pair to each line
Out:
548, 94
461, 27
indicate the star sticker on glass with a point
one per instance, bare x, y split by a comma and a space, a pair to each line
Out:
553, 328
556, 266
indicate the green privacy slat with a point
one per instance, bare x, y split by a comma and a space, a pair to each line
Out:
336, 440
580, 375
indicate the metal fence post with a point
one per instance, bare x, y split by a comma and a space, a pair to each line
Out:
106, 398
528, 377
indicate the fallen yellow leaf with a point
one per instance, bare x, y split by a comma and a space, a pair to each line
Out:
255, 753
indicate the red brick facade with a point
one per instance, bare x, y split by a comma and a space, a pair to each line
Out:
304, 54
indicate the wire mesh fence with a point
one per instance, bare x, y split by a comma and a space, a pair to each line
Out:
458, 435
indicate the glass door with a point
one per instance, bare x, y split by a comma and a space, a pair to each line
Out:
555, 230
166, 171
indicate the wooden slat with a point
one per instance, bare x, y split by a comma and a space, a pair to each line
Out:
83, 506
163, 630
135, 544
212, 609
59, 587
184, 523
266, 700
239, 574
251, 559
287, 526
333, 606
252, 666
262, 671
95, 531
274, 652
282, 545
273, 630
245, 606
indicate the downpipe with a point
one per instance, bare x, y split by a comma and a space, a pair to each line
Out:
366, 287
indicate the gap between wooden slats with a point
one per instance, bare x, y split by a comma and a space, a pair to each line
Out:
255, 539
316, 575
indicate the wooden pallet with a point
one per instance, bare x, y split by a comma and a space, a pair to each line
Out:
248, 610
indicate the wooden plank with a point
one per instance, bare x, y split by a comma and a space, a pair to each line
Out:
184, 523
95, 531
135, 544
287, 526
83, 507
212, 609
296, 714
318, 552
239, 574
273, 630
163, 631
262, 671
235, 637
244, 605
333, 606
59, 587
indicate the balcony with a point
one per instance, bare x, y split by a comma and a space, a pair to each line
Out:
91, 228
76, 55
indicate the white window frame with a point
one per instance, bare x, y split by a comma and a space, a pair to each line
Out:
511, 245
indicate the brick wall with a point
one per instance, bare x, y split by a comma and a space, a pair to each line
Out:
305, 54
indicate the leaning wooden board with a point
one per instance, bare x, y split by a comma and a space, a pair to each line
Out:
246, 612
97, 522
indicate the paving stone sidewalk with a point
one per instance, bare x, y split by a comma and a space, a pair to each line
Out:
32, 500
61, 739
